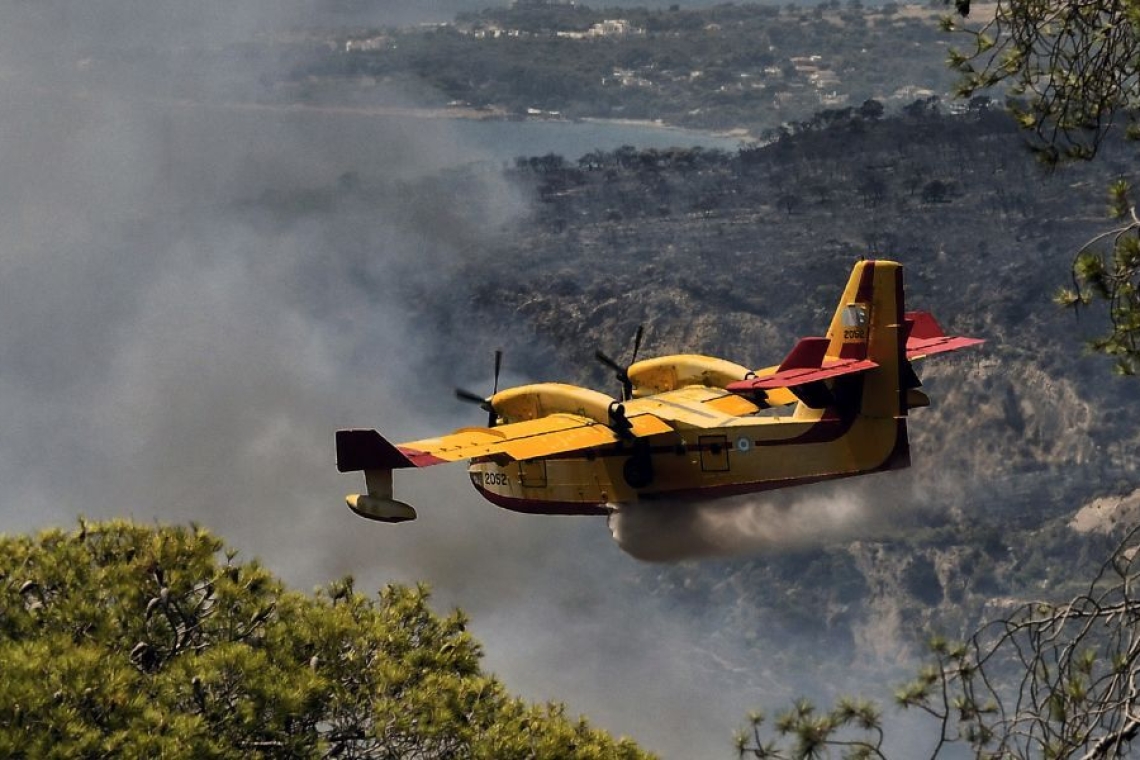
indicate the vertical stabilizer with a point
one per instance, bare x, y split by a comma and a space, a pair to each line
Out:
868, 324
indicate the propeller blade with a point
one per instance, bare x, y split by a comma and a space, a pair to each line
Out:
608, 362
619, 373
637, 343
484, 402
468, 396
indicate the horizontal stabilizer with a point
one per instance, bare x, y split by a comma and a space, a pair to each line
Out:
926, 337
807, 354
368, 450
807, 363
794, 377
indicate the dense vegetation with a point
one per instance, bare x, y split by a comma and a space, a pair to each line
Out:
121, 640
1074, 69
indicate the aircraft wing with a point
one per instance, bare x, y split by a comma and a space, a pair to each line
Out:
559, 433
546, 436
926, 337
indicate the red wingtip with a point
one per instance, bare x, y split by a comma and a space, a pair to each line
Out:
420, 458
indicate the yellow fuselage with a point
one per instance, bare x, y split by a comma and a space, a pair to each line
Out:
694, 427
743, 454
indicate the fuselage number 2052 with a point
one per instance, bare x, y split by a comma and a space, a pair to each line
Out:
490, 478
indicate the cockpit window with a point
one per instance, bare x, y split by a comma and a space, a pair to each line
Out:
855, 315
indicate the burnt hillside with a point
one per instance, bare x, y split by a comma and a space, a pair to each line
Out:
739, 254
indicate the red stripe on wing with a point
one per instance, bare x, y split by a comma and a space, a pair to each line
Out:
420, 458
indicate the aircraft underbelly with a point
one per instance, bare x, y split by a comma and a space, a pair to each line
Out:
739, 462
552, 486
697, 464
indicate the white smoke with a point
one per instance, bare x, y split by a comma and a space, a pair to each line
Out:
806, 516
184, 332
175, 349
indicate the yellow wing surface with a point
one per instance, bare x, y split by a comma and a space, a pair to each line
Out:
693, 407
547, 436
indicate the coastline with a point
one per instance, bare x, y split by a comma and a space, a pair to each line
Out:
470, 113
446, 112
491, 113
739, 133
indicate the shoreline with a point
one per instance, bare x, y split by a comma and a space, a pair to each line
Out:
465, 113
739, 133
471, 113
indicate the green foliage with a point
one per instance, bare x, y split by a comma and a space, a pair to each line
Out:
1072, 64
123, 640
1074, 71
853, 727
1107, 269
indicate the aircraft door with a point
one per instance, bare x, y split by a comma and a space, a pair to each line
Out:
714, 453
532, 473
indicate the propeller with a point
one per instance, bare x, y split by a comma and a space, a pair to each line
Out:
620, 372
484, 403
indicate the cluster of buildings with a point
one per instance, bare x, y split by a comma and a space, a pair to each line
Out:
798, 77
616, 27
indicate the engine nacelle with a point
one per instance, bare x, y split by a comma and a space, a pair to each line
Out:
667, 373
530, 402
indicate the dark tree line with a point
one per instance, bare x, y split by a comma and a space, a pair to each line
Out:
801, 167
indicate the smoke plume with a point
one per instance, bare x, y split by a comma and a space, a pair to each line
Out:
198, 289
663, 531
197, 292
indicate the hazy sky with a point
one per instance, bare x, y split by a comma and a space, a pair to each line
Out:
173, 353
174, 349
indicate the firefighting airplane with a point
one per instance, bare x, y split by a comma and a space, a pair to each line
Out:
688, 427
